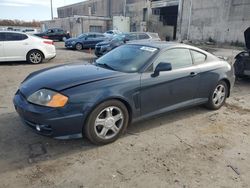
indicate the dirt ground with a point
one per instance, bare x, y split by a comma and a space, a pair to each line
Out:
190, 148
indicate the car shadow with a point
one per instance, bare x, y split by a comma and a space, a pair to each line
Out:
21, 147
15, 63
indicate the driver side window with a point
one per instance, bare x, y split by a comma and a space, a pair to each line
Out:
178, 57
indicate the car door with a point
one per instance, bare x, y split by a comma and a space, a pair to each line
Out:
16, 46
90, 41
208, 74
2, 58
99, 38
51, 34
171, 89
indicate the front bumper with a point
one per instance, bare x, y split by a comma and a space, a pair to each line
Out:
69, 45
61, 123
101, 50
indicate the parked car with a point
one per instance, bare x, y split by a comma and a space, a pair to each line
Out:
111, 33
120, 39
18, 46
242, 63
30, 31
132, 82
86, 40
54, 34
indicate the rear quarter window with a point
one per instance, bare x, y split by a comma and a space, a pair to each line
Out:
198, 57
1, 36
143, 36
15, 37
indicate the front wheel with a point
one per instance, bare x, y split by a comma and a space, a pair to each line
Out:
79, 46
218, 97
35, 57
106, 122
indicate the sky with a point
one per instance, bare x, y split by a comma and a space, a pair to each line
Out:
31, 9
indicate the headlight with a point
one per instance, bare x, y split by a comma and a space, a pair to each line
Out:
45, 97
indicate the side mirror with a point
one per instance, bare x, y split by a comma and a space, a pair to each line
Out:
125, 40
162, 66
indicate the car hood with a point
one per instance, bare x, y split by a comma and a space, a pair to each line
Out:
71, 39
106, 42
247, 38
65, 76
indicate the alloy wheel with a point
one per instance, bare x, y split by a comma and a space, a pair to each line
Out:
109, 122
35, 57
219, 95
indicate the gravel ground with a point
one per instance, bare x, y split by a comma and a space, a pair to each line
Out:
190, 148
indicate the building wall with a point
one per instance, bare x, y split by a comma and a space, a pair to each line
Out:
102, 8
223, 21
78, 25
151, 23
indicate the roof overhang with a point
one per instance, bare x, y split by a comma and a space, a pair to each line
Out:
164, 3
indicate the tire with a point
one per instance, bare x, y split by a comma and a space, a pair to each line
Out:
218, 96
106, 122
35, 57
79, 46
239, 68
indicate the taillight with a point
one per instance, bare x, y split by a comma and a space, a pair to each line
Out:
45, 37
48, 42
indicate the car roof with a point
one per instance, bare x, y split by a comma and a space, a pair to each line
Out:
165, 45
92, 33
13, 32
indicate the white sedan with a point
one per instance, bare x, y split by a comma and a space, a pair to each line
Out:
17, 46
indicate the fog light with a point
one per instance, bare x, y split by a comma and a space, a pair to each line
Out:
38, 128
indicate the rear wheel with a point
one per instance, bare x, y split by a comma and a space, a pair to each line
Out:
218, 97
79, 46
106, 122
35, 57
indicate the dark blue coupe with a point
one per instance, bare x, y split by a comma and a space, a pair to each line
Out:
133, 82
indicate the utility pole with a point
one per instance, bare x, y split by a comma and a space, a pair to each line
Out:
124, 8
51, 9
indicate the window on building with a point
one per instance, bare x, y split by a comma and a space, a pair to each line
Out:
156, 11
145, 14
94, 28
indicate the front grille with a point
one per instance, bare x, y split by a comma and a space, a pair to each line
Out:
98, 48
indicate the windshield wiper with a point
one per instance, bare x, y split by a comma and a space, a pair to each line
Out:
105, 65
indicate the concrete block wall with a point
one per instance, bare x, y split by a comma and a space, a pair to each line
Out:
78, 25
223, 21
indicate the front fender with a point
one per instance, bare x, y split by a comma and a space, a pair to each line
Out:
242, 55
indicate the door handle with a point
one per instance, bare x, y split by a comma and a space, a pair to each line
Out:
25, 43
193, 74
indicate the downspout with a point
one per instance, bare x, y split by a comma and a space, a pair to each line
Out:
179, 20
189, 19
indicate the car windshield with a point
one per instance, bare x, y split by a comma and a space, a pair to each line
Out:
82, 36
127, 58
118, 37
